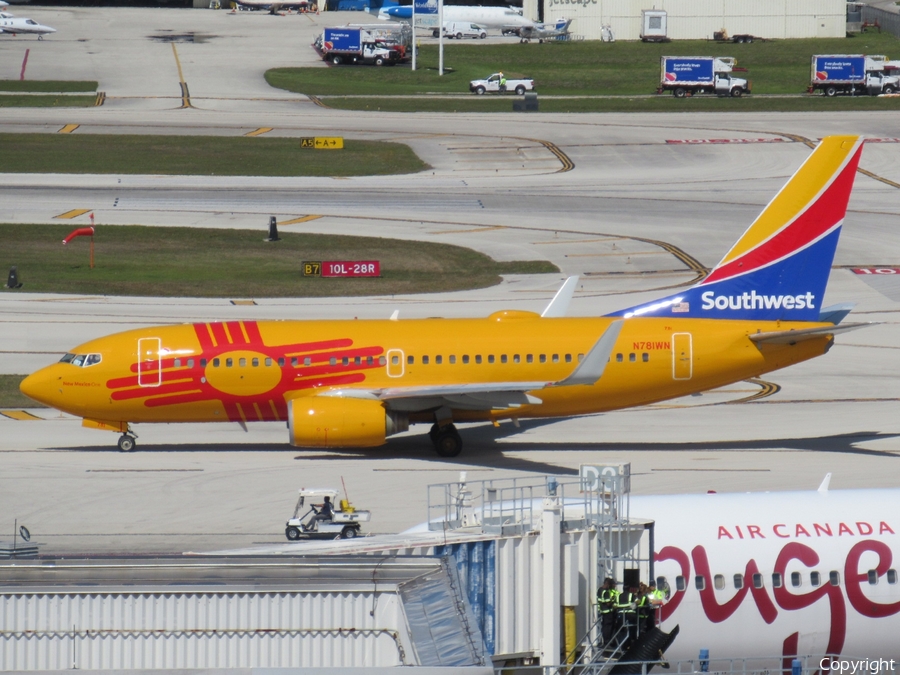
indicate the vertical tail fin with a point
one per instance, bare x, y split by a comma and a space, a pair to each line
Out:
779, 268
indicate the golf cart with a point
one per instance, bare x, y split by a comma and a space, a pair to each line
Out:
343, 525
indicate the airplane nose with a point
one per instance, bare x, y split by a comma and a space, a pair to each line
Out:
39, 387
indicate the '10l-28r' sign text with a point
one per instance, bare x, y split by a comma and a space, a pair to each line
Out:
342, 268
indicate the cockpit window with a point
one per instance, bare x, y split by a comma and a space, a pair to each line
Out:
82, 360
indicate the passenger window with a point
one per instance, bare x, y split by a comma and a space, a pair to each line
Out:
452, 359
215, 363
645, 357
815, 579
229, 362
503, 358
757, 580
281, 362
555, 358
346, 361
632, 357
543, 358
395, 360
177, 362
568, 358
357, 360
242, 361
478, 358
873, 577
620, 358
332, 361
268, 362
369, 361
834, 578
295, 361
739, 581
255, 362
680, 584
438, 360
410, 360
892, 576
719, 582
700, 582
307, 361
190, 363
529, 358
796, 579
490, 358
425, 360
516, 358
776, 580
580, 358
203, 363
465, 358
382, 361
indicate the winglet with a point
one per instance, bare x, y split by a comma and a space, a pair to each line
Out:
395, 315
559, 305
591, 368
823, 488
836, 313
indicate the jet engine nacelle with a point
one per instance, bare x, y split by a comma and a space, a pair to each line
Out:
337, 422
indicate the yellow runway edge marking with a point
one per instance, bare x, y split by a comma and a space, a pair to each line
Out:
74, 213
259, 132
19, 415
68, 129
301, 219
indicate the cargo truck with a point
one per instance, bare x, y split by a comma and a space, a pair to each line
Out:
834, 74
689, 75
382, 46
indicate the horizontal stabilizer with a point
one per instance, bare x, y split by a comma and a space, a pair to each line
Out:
790, 337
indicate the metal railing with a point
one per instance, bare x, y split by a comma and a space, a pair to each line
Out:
889, 21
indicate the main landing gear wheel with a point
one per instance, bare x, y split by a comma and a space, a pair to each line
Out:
447, 441
292, 533
126, 443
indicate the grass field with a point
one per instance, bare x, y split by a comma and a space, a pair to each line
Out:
50, 101
590, 68
48, 85
199, 155
171, 261
11, 397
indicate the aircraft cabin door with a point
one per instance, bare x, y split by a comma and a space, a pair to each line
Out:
149, 362
682, 360
395, 363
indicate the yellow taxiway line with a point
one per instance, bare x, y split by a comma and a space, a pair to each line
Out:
74, 213
68, 129
301, 219
259, 132
19, 415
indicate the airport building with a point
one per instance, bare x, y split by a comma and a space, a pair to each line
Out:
699, 19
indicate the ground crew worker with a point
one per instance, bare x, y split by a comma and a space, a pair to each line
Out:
657, 599
644, 609
607, 599
502, 82
627, 609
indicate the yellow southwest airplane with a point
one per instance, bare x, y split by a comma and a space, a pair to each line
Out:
353, 383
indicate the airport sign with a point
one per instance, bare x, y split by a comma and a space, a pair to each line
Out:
323, 142
342, 268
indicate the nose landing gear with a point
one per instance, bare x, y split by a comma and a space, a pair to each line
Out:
127, 441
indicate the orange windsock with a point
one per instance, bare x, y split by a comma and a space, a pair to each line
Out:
80, 232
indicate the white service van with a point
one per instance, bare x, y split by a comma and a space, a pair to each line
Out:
463, 29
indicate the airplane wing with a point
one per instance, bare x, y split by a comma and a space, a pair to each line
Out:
790, 337
488, 395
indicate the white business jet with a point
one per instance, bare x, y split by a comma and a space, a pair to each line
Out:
16, 25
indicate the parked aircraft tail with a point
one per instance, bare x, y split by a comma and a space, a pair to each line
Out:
779, 268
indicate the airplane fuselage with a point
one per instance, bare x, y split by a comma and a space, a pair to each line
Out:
248, 371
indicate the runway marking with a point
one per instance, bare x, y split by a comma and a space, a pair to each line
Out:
477, 229
608, 255
142, 470
724, 470
19, 415
24, 64
576, 241
74, 213
766, 389
567, 164
301, 219
100, 100
697, 141
68, 129
185, 94
259, 132
318, 102
243, 302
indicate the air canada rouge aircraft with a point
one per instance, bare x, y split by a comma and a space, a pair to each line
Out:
353, 383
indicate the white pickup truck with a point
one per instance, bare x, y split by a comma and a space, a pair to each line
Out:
492, 84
